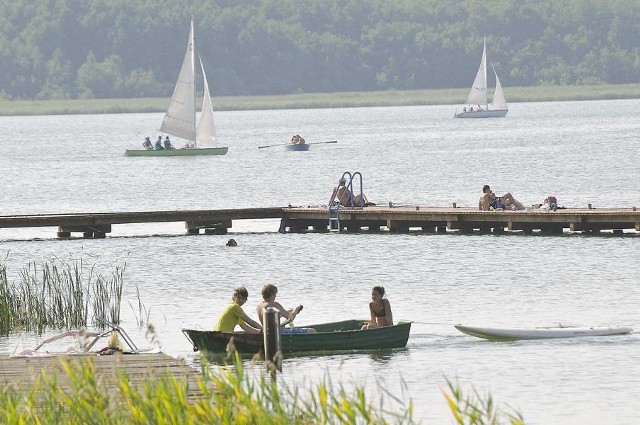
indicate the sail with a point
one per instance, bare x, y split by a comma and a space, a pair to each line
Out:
206, 131
499, 102
478, 93
180, 118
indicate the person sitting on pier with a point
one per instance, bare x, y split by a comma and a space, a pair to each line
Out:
233, 314
159, 144
380, 309
343, 196
147, 143
269, 293
167, 144
489, 201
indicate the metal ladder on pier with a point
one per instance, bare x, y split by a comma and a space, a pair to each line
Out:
344, 198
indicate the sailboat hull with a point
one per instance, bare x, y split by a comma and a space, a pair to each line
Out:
482, 113
178, 152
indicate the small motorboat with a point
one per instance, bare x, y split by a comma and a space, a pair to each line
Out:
560, 331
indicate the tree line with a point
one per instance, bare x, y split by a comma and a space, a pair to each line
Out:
65, 49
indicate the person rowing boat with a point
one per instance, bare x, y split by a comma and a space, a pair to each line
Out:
269, 293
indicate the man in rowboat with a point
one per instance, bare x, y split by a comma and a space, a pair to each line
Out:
233, 314
269, 293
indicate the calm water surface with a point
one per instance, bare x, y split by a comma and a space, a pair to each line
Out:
583, 152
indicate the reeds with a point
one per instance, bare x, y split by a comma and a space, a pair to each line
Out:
226, 396
476, 409
453, 96
59, 295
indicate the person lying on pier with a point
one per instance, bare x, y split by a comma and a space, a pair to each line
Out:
269, 293
380, 309
233, 314
343, 196
489, 201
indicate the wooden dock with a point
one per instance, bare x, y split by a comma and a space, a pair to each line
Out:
466, 220
22, 372
399, 219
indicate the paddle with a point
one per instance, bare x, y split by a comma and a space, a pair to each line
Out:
286, 144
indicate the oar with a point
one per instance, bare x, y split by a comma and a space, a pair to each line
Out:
317, 143
287, 144
271, 146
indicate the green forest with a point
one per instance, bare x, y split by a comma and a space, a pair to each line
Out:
86, 49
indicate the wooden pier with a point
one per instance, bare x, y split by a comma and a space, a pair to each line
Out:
22, 372
466, 220
399, 219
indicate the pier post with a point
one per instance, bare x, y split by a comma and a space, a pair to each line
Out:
272, 349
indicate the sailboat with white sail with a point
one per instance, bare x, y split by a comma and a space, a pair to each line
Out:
180, 118
477, 106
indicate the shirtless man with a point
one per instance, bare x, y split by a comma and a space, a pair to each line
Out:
343, 195
488, 200
269, 293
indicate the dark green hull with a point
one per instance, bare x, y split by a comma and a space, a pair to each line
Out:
336, 336
177, 152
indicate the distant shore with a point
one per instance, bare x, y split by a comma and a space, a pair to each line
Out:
320, 100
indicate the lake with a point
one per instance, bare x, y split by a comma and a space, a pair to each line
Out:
582, 152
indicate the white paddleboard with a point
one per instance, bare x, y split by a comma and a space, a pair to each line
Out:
506, 334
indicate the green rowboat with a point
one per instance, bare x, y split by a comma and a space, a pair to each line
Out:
177, 152
335, 336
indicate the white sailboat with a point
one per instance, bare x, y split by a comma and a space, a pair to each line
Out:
477, 106
180, 118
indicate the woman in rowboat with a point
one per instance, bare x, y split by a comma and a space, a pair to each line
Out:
380, 309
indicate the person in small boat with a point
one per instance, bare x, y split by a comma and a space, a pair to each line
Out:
297, 140
342, 195
147, 143
159, 144
233, 314
380, 309
489, 201
269, 293
167, 144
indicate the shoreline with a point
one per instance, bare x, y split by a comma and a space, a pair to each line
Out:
319, 100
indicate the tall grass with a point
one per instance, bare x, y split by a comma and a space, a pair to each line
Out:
451, 96
59, 295
476, 409
225, 396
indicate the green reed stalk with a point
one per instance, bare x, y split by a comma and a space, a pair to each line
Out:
225, 396
59, 295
